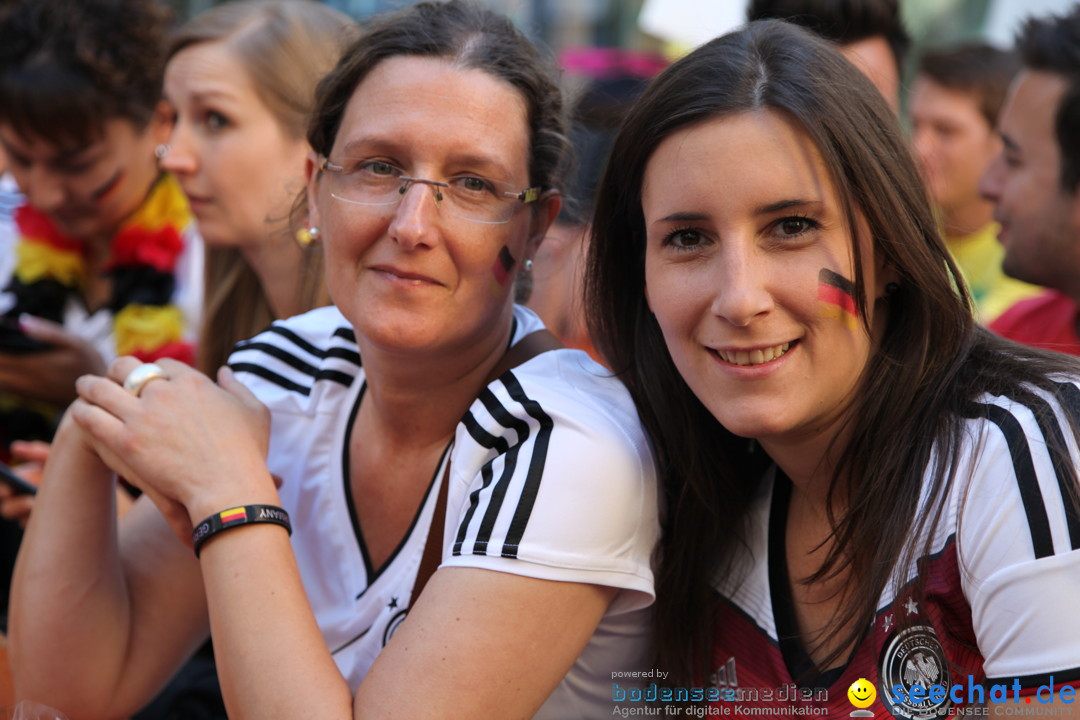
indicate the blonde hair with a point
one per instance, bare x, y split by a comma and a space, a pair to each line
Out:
286, 46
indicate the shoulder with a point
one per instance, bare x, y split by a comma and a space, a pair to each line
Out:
296, 361
1046, 307
551, 467
1017, 476
1018, 537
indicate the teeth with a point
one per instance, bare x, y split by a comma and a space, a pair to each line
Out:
753, 357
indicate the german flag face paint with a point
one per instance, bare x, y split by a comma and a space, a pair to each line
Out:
103, 191
502, 266
836, 294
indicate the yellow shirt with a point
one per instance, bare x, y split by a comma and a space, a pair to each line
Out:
979, 256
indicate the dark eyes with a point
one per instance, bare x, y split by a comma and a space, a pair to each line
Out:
377, 167
785, 228
473, 184
383, 169
792, 226
683, 239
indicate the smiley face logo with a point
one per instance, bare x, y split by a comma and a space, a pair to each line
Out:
862, 693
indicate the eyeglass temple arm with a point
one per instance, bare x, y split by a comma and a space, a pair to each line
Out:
527, 195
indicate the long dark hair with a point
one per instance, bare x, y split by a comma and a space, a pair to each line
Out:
931, 362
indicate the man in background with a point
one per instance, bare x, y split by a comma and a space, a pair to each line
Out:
1035, 184
869, 33
954, 104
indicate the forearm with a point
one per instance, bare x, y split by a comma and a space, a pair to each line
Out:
68, 593
272, 659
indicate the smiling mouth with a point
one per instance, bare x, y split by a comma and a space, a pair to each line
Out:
405, 277
752, 357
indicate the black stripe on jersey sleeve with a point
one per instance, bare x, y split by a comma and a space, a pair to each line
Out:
536, 464
335, 376
282, 355
1052, 431
482, 436
297, 340
347, 333
1070, 396
270, 376
498, 492
345, 354
486, 476
1061, 677
1026, 478
491, 442
341, 353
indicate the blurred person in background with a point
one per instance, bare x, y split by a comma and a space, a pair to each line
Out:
1034, 184
870, 33
554, 287
240, 82
107, 260
104, 257
955, 100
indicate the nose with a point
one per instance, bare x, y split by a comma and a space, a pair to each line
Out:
741, 284
993, 179
44, 190
181, 157
415, 220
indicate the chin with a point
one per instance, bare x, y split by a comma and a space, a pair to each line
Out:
757, 427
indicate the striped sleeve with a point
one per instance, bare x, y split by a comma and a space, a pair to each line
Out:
293, 357
1019, 539
551, 486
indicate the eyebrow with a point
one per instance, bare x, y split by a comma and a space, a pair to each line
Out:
767, 209
363, 147
1009, 143
771, 208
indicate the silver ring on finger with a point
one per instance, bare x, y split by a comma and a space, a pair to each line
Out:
138, 378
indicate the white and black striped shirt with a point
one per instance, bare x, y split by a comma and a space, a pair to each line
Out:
551, 477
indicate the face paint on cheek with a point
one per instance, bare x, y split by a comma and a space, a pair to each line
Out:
111, 184
502, 266
836, 294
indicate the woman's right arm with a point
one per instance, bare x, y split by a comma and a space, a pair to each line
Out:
101, 616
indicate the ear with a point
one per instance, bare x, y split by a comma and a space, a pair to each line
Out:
542, 217
313, 176
884, 275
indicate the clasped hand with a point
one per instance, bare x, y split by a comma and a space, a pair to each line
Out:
194, 447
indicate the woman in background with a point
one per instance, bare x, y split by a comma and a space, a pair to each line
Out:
861, 482
240, 82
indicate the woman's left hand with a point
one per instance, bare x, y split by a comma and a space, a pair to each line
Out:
183, 440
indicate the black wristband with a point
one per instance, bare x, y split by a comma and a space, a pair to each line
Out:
235, 517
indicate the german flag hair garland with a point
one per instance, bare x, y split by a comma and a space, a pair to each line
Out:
144, 250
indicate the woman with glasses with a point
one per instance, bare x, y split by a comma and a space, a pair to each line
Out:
864, 489
419, 424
